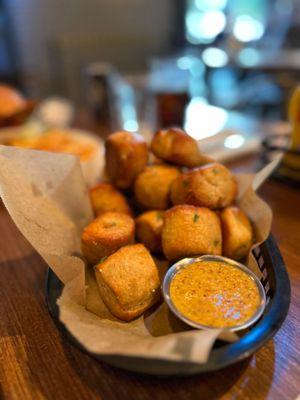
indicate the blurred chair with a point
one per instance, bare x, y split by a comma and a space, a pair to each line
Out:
69, 55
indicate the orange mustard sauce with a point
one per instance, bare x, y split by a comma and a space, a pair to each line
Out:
214, 294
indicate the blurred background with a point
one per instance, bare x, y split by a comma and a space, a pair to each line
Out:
141, 64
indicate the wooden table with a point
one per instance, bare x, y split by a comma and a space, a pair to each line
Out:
36, 362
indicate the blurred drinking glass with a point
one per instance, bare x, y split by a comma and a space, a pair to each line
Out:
136, 106
173, 82
101, 78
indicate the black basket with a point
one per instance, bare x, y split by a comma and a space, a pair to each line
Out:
277, 286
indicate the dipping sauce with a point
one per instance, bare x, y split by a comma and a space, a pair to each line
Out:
215, 294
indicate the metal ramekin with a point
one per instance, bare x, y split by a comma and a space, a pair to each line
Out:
175, 268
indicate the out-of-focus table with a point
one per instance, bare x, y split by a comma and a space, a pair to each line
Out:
36, 362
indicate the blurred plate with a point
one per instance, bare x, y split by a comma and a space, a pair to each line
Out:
92, 168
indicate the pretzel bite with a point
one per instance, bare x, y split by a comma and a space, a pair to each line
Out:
105, 197
126, 155
191, 231
128, 281
176, 146
211, 186
148, 229
152, 186
106, 234
237, 233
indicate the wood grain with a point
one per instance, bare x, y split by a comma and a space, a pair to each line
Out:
37, 363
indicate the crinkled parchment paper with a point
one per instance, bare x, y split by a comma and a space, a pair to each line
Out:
46, 197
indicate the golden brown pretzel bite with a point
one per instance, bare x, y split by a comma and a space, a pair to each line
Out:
152, 186
191, 231
148, 229
176, 146
237, 233
126, 155
106, 234
105, 197
128, 281
211, 185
